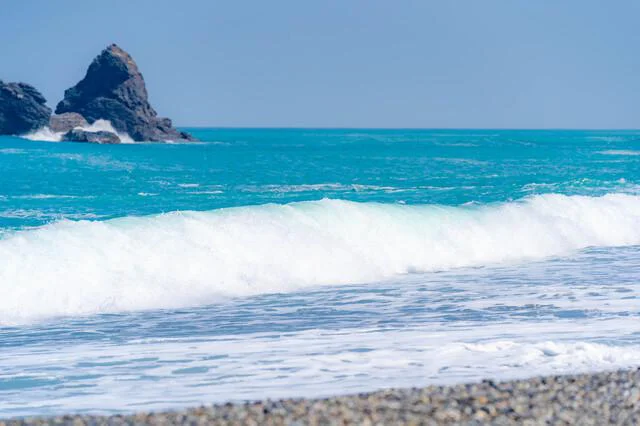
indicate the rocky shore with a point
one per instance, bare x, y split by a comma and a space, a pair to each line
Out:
22, 109
588, 399
112, 90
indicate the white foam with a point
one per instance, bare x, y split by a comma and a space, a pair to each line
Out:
192, 258
45, 196
47, 135
106, 126
623, 152
319, 187
313, 363
44, 134
11, 151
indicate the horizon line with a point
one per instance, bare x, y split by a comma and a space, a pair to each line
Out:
406, 128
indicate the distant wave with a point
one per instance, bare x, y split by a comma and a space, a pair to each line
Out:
318, 187
191, 258
623, 152
46, 134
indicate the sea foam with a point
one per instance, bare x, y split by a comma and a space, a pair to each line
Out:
193, 258
46, 134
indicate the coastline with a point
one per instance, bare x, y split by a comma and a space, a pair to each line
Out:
586, 399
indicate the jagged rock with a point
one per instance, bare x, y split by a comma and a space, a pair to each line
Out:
67, 121
22, 109
113, 89
79, 135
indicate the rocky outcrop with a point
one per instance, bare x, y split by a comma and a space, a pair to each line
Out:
113, 89
62, 123
22, 109
79, 135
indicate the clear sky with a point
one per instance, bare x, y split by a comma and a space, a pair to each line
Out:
347, 63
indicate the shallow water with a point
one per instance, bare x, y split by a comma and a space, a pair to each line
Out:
277, 263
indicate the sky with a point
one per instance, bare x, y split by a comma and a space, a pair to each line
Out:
347, 63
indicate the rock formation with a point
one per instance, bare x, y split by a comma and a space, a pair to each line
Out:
22, 109
79, 135
62, 123
113, 89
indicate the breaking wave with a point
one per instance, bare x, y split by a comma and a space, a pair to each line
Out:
46, 134
193, 258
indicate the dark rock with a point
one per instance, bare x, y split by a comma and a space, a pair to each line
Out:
67, 121
79, 135
22, 109
113, 89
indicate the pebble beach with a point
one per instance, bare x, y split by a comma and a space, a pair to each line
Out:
586, 399
319, 213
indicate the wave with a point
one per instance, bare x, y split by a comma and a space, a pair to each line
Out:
622, 152
337, 187
193, 258
46, 134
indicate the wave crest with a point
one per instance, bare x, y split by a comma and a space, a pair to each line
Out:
191, 258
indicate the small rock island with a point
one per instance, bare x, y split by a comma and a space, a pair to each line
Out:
113, 90
22, 109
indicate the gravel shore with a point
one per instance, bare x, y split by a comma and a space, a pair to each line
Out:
588, 399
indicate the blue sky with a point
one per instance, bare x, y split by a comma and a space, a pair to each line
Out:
347, 63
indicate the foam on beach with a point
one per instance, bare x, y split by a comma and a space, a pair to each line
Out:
319, 363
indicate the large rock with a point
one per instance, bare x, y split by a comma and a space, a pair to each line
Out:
79, 135
62, 123
114, 90
22, 109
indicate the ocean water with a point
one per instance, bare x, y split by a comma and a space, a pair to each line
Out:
266, 263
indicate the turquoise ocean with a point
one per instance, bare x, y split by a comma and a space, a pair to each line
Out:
268, 263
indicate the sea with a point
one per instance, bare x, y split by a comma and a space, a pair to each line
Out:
277, 263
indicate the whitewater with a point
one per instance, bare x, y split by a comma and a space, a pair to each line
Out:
299, 262
48, 135
189, 258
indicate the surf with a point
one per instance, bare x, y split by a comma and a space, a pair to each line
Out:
190, 258
45, 134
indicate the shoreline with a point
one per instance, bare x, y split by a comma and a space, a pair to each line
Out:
587, 399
